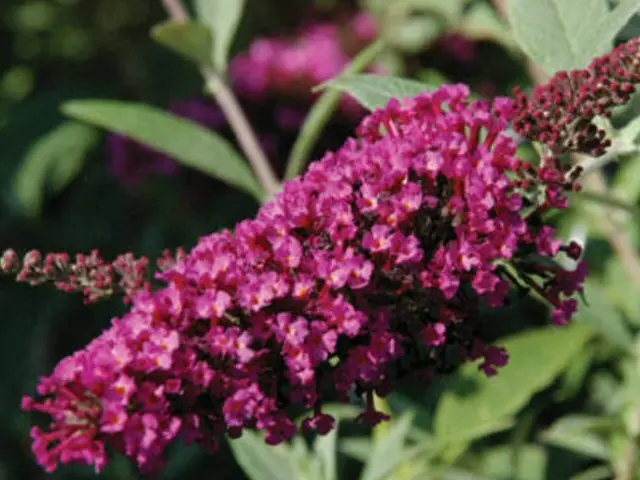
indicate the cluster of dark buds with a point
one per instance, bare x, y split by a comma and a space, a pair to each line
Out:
560, 113
89, 274
371, 267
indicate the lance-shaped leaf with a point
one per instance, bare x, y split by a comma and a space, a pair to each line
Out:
375, 91
535, 359
566, 34
184, 140
223, 18
260, 461
51, 164
191, 40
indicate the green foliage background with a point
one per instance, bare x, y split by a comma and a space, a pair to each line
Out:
567, 406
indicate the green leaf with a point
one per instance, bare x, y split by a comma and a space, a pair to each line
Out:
599, 472
450, 447
498, 462
342, 411
615, 286
460, 474
558, 35
413, 34
578, 433
325, 449
625, 183
609, 200
474, 400
614, 22
450, 11
603, 318
375, 91
223, 18
432, 77
191, 40
321, 112
482, 22
309, 466
260, 461
573, 379
51, 164
182, 139
388, 451
628, 134
358, 448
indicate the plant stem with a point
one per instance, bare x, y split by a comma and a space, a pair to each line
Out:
233, 112
243, 130
176, 11
626, 469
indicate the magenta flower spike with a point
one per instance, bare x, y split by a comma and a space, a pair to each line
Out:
371, 266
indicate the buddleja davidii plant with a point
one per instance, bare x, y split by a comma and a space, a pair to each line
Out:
370, 267
593, 92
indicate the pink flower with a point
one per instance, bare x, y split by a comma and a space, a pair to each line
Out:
292, 331
435, 335
384, 249
378, 240
290, 67
494, 357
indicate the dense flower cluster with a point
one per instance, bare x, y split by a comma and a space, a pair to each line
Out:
371, 266
560, 113
89, 274
292, 67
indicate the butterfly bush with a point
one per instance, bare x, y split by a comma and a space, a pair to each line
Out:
372, 266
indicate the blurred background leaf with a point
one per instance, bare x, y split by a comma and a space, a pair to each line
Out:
223, 19
52, 163
184, 140
373, 91
474, 400
572, 417
191, 40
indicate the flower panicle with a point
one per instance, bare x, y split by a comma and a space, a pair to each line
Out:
560, 113
372, 266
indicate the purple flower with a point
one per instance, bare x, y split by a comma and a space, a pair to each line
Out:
435, 335
384, 250
290, 67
